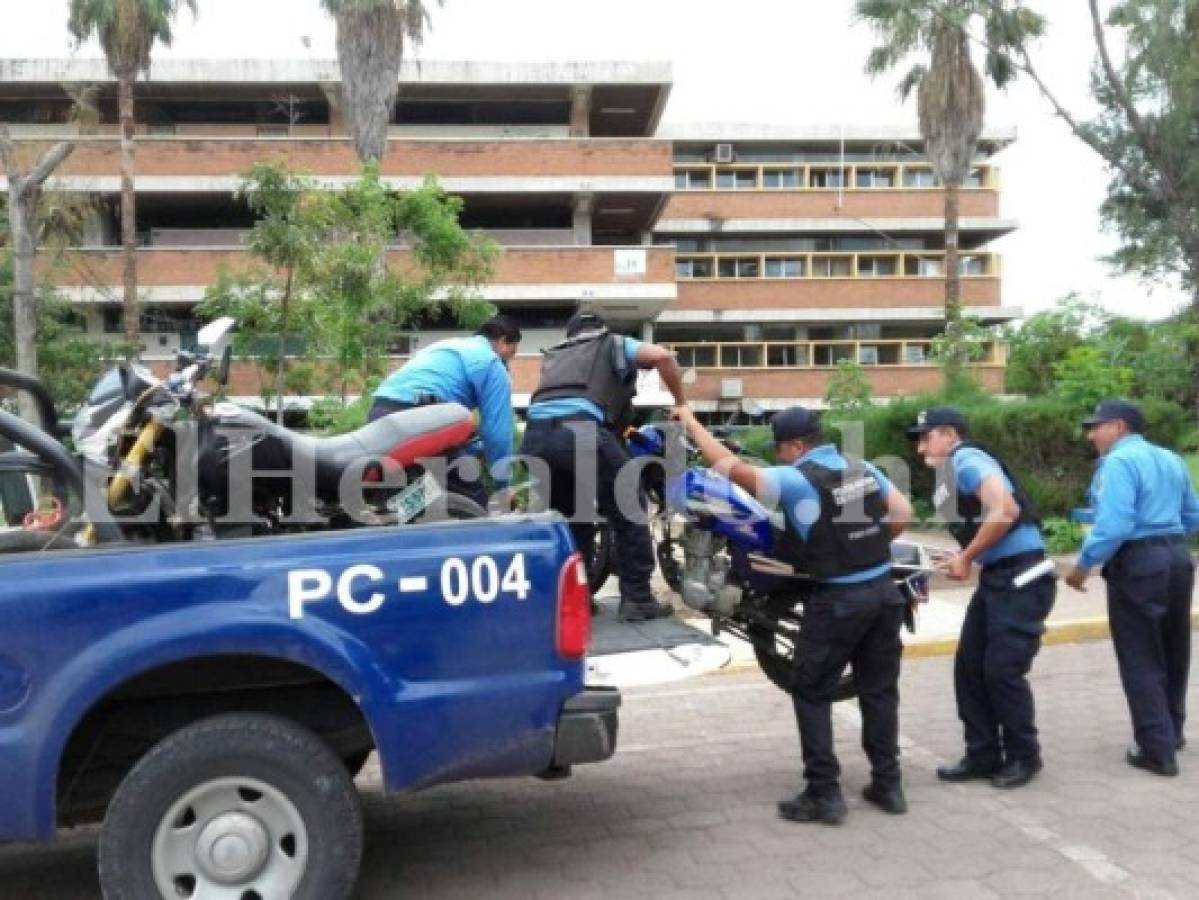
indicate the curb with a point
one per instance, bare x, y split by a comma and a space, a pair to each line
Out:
1074, 631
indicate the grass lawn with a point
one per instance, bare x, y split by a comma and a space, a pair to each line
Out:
1193, 465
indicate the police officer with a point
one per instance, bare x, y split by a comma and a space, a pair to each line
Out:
471, 371
996, 525
841, 515
1145, 504
582, 403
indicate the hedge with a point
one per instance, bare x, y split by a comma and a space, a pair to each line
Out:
1039, 438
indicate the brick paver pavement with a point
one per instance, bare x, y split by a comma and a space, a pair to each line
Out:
686, 810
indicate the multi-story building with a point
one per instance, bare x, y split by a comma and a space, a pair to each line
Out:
555, 162
797, 248
763, 256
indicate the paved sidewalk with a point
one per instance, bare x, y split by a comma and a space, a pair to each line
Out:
686, 810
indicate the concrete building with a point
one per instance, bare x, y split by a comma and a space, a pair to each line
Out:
763, 256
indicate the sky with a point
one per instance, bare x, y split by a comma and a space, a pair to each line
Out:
776, 62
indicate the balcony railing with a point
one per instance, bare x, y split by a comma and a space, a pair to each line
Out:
821, 177
822, 354
872, 264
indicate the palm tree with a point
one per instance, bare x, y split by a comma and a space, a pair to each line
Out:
951, 104
370, 46
127, 30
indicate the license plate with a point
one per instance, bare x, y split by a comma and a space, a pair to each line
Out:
415, 498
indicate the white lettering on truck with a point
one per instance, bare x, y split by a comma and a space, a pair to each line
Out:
460, 581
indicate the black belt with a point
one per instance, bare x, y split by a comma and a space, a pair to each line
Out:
1160, 540
561, 421
1015, 561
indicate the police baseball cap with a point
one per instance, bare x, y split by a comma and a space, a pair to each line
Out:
584, 321
938, 417
1116, 411
794, 423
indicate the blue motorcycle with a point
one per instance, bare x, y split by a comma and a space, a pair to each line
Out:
718, 542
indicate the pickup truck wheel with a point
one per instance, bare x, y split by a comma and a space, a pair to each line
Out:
235, 807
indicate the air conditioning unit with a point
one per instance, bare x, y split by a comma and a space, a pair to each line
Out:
731, 389
724, 154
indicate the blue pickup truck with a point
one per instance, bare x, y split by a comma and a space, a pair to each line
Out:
211, 702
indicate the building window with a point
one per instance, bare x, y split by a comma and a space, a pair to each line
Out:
693, 268
919, 178
736, 179
973, 265
780, 179
693, 180
784, 268
876, 266
827, 178
875, 178
696, 357
738, 268
832, 266
868, 355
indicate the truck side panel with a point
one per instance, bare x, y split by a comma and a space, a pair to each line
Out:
443, 635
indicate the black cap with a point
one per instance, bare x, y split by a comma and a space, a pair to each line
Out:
939, 417
584, 321
1117, 411
794, 423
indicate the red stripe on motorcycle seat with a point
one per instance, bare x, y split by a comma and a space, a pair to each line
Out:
434, 443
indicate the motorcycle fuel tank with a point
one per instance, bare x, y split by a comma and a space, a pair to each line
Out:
733, 512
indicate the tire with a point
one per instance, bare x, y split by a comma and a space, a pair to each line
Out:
776, 658
312, 851
457, 507
599, 561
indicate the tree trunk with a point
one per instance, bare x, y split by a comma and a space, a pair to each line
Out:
129, 213
281, 374
24, 300
953, 290
24, 192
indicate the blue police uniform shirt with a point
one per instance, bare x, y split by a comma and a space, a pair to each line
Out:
466, 371
971, 467
800, 500
1140, 490
573, 406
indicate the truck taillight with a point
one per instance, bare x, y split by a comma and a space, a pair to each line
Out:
574, 609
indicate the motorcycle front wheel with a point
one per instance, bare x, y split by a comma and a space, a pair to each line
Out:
774, 646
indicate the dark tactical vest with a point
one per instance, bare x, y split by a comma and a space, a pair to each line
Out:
965, 517
590, 365
838, 543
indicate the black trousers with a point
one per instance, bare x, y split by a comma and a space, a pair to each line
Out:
472, 489
566, 444
1001, 635
854, 625
1149, 585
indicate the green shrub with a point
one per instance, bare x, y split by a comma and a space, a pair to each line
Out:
1062, 536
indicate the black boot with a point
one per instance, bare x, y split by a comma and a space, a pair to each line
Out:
966, 769
1140, 760
1017, 772
643, 611
828, 809
888, 799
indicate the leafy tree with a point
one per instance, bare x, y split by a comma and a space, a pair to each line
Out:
849, 390
370, 47
1040, 341
1148, 99
325, 254
127, 30
951, 105
1085, 377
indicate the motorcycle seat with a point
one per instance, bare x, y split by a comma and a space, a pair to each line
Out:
397, 440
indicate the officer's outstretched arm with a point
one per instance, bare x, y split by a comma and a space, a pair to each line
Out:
651, 356
720, 457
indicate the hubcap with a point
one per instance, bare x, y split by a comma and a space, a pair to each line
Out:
233, 848
230, 838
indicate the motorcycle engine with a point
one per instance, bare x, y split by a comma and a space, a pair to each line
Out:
706, 571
